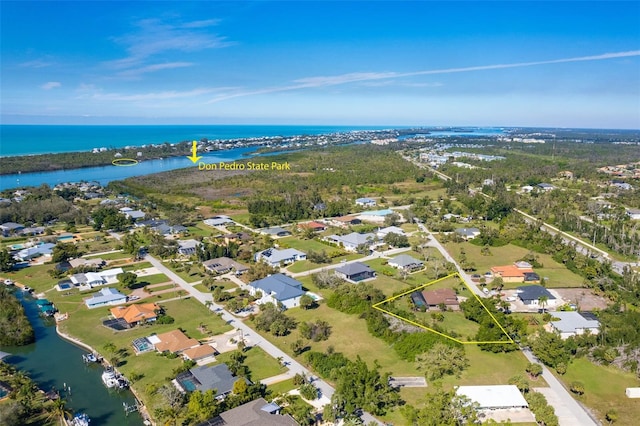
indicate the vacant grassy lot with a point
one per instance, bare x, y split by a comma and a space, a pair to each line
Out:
306, 265
261, 364
110, 256
37, 277
604, 390
152, 279
281, 387
558, 274
306, 245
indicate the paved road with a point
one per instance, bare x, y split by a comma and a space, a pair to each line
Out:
294, 366
569, 412
433, 242
375, 255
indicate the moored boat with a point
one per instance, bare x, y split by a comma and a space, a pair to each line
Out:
80, 419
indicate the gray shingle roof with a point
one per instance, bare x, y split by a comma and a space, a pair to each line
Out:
534, 292
216, 377
284, 287
405, 260
354, 268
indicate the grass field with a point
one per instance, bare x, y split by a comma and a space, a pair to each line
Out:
604, 390
37, 277
281, 387
153, 279
306, 265
306, 245
558, 274
110, 256
261, 364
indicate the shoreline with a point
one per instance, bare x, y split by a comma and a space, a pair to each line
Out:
144, 413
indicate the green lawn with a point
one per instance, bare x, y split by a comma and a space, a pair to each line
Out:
36, 277
306, 265
604, 389
156, 369
261, 364
281, 387
558, 274
137, 266
110, 256
304, 245
153, 279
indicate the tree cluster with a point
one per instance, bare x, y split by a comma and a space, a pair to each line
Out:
273, 320
15, 329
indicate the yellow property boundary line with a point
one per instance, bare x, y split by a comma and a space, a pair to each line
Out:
455, 274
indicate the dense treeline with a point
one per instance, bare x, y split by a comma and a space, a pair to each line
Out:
75, 160
357, 386
42, 205
15, 329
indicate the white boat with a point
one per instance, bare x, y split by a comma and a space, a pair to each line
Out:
80, 419
89, 358
111, 379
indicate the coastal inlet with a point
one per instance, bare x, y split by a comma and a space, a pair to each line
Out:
249, 165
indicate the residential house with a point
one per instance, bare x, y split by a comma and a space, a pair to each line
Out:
546, 187
514, 273
188, 247
82, 262
278, 288
622, 185
496, 397
106, 296
350, 242
382, 232
377, 216
201, 354
526, 189
136, 314
276, 257
313, 225
173, 341
219, 220
634, 214
365, 202
346, 221
406, 262
531, 294
215, 377
255, 413
44, 249
468, 233
355, 272
9, 228
236, 237
572, 323
276, 231
441, 296
222, 265
133, 214
31, 230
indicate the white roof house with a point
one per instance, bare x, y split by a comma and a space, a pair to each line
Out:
278, 288
106, 296
571, 323
275, 257
382, 232
494, 397
366, 202
351, 241
404, 261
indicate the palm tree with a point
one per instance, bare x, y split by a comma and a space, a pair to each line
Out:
58, 410
542, 301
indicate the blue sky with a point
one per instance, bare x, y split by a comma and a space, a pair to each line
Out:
568, 64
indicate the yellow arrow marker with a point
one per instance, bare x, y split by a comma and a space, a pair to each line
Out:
194, 149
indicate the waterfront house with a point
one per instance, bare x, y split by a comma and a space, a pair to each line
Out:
278, 289
9, 228
106, 296
406, 262
275, 257
215, 377
355, 272
255, 413
173, 341
136, 314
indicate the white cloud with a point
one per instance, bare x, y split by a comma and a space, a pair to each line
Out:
153, 36
134, 72
169, 94
323, 81
36, 63
51, 85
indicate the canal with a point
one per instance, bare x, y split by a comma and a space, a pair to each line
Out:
53, 362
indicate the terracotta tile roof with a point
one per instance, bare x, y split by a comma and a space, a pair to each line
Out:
174, 341
198, 352
135, 313
441, 295
509, 271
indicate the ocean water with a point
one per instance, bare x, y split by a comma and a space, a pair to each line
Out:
44, 139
